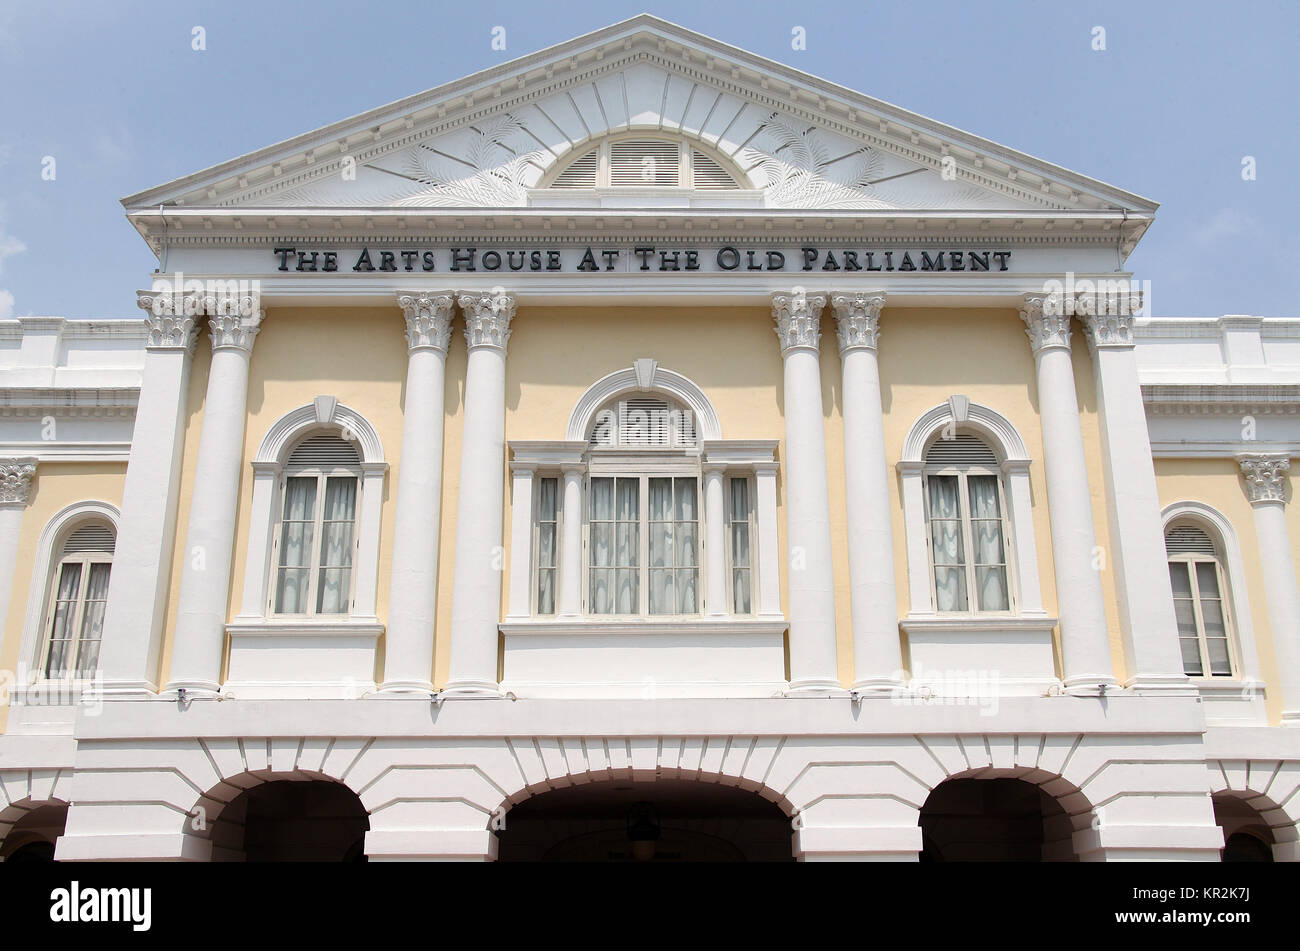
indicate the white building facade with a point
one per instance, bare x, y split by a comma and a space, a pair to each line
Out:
645, 450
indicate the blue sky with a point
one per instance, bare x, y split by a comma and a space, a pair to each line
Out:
1179, 97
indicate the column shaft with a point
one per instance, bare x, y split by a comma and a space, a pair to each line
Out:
808, 533
140, 582
1146, 606
476, 584
15, 490
715, 543
412, 600
1266, 489
571, 545
210, 536
877, 649
1085, 647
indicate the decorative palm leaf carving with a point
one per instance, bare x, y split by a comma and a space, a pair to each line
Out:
492, 170
800, 171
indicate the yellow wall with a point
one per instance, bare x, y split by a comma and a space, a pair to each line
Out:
55, 486
359, 356
1218, 483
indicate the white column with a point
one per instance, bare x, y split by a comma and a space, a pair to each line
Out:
1265, 476
476, 583
1146, 604
877, 650
1085, 646
412, 598
715, 542
769, 555
15, 491
521, 539
807, 518
210, 536
571, 543
140, 582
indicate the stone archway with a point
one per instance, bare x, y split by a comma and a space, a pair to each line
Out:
1003, 816
30, 828
291, 817
667, 820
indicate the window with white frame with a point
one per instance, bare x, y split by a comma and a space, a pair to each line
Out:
315, 542
74, 617
545, 538
643, 161
965, 510
740, 547
1197, 577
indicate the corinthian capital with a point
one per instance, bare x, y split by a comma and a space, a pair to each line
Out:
1109, 318
1046, 321
857, 319
233, 320
428, 318
487, 318
171, 320
1265, 476
16, 481
798, 320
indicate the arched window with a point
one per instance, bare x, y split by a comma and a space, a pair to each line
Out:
643, 510
1197, 576
74, 615
965, 513
315, 543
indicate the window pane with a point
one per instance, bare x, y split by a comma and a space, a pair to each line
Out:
1191, 649
943, 497
602, 594
1180, 580
740, 545
1220, 663
685, 490
332, 593
297, 533
291, 591
92, 619
1185, 614
546, 545
629, 491
687, 583
661, 499
661, 544
65, 603
1207, 579
983, 491
602, 544
546, 591
687, 545
992, 589
629, 591
661, 591
740, 591
988, 542
546, 500
602, 499
740, 500
627, 554
945, 540
950, 588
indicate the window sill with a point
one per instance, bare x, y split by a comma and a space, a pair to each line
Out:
306, 627
693, 625
975, 623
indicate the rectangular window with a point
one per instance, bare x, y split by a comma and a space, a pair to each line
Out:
967, 542
674, 546
316, 543
1198, 609
739, 534
615, 549
545, 544
76, 624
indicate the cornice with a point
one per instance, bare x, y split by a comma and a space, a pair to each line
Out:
68, 402
1164, 399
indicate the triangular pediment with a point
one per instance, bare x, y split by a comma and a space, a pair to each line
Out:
488, 141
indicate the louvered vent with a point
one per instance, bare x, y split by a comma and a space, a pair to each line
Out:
581, 174
1188, 540
962, 450
643, 162
325, 449
707, 173
643, 422
93, 537
602, 434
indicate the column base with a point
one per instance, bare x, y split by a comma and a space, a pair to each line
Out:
472, 688
817, 687
1091, 686
404, 689
194, 690
886, 687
